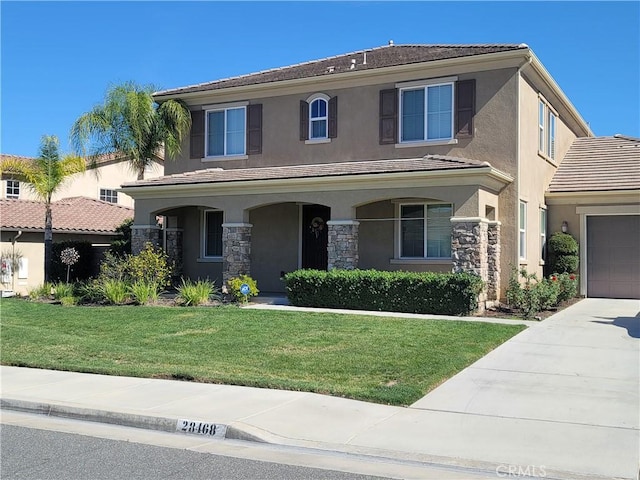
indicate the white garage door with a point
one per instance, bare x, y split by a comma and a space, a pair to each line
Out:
613, 256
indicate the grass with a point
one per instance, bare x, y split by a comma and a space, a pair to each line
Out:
385, 360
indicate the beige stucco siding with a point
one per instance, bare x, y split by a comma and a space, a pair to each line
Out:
358, 128
536, 172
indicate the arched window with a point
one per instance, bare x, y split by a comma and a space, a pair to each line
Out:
318, 118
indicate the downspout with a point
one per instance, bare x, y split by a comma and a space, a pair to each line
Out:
528, 60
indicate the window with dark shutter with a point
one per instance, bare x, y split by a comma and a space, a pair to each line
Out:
254, 129
465, 107
196, 143
388, 116
304, 120
333, 117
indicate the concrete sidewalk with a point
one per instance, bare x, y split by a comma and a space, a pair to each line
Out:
559, 400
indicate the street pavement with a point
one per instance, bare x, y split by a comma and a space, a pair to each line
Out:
559, 400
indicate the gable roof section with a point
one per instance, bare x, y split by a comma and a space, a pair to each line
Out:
598, 165
218, 175
96, 162
385, 56
70, 215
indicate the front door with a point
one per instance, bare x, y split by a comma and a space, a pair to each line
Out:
314, 236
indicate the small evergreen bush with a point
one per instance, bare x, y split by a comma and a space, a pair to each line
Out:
234, 285
436, 293
563, 253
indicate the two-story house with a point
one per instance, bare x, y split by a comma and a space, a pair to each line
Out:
402, 157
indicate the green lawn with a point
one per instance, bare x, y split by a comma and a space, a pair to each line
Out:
384, 360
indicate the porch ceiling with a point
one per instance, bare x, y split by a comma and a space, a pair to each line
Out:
343, 175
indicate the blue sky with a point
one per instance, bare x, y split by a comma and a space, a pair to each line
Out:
58, 58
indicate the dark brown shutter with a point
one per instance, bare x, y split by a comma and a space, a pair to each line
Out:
304, 120
196, 141
333, 117
388, 116
465, 107
254, 129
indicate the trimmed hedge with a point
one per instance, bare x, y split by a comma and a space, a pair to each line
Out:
435, 293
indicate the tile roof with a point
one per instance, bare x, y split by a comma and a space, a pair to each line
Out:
218, 175
76, 214
599, 164
97, 161
385, 56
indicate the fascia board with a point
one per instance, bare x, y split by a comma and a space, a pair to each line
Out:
486, 177
590, 197
473, 63
544, 75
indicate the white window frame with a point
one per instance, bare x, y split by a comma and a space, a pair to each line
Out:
225, 109
522, 230
106, 194
411, 86
543, 234
547, 129
12, 189
425, 235
325, 98
203, 235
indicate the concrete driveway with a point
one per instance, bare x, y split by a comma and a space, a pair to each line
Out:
562, 396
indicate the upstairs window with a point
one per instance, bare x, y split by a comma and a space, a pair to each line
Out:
426, 113
425, 230
225, 132
13, 189
318, 118
108, 195
546, 130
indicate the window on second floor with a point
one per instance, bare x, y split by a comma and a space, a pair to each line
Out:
318, 118
546, 130
108, 195
225, 132
425, 230
13, 189
426, 113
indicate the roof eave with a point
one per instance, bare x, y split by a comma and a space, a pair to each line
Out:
486, 59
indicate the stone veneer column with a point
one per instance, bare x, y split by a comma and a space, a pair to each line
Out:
342, 244
469, 249
173, 247
143, 234
236, 250
493, 260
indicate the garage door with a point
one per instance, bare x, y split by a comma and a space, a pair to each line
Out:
613, 256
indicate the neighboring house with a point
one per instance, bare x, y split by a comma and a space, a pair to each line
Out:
596, 191
101, 182
403, 157
79, 218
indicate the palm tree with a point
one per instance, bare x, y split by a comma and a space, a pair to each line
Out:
132, 124
44, 176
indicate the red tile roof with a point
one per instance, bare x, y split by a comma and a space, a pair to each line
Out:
70, 215
385, 56
599, 164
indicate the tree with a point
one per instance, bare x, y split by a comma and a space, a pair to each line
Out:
44, 176
132, 124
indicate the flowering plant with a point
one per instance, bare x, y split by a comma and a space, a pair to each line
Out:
69, 256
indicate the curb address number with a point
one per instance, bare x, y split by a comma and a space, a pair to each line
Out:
201, 428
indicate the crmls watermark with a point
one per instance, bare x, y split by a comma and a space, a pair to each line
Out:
516, 471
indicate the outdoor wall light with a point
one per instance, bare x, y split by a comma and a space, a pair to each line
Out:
565, 227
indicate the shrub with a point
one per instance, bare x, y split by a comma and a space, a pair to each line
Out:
150, 265
437, 293
82, 270
121, 245
41, 292
567, 286
68, 301
536, 295
61, 290
90, 291
115, 291
563, 253
195, 293
144, 292
234, 285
